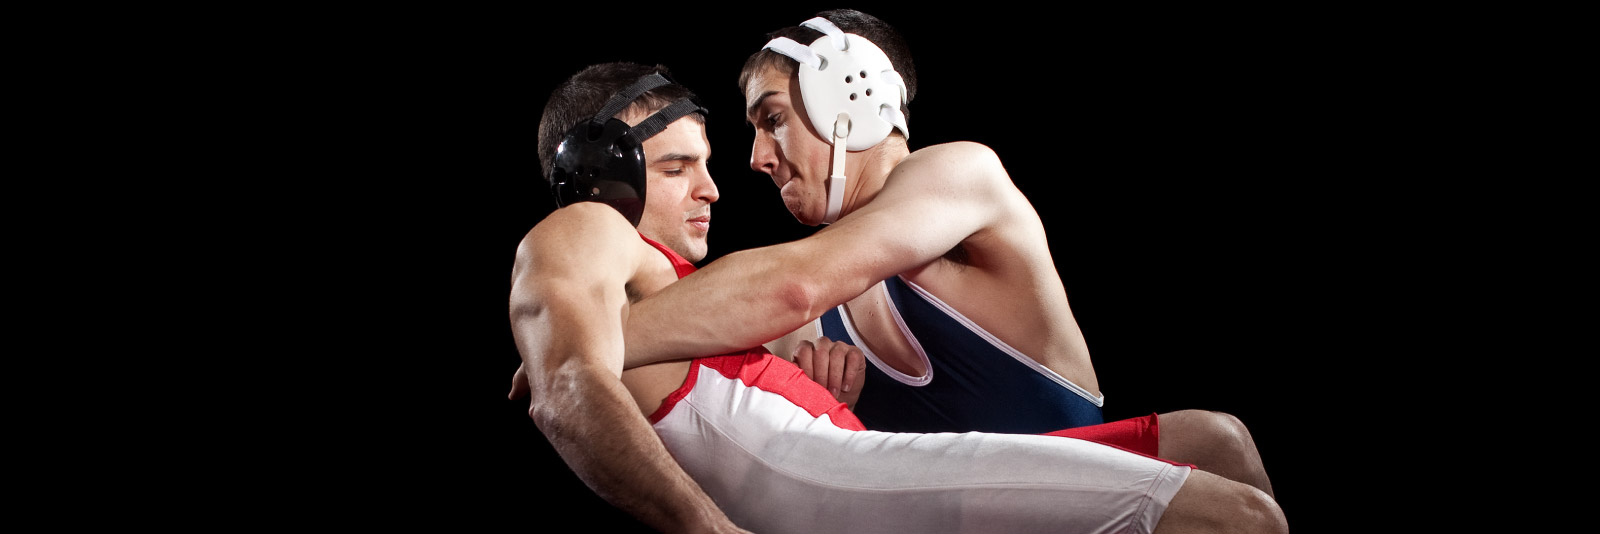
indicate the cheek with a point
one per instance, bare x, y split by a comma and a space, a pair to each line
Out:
656, 198
790, 149
806, 142
789, 135
667, 197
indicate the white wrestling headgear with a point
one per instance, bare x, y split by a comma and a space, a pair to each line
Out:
851, 90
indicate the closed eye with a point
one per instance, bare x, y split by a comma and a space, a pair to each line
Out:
675, 164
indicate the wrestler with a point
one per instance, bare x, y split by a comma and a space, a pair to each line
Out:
739, 438
937, 268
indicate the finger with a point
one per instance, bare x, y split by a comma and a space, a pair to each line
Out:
802, 357
820, 364
855, 370
855, 377
838, 358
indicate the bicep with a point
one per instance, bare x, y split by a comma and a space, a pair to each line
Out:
567, 304
928, 206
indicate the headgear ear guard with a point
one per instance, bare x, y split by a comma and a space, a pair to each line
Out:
851, 92
602, 159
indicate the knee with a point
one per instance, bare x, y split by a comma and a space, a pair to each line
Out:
1225, 432
1209, 503
1225, 424
1262, 513
1251, 511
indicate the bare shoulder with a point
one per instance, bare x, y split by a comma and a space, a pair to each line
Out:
577, 236
958, 166
979, 153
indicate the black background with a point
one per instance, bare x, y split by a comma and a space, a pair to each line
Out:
1206, 177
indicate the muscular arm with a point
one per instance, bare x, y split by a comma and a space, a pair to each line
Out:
933, 201
568, 300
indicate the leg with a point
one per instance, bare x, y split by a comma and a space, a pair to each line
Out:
1214, 442
775, 467
1208, 503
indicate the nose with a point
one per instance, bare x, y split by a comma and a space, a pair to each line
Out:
705, 188
763, 154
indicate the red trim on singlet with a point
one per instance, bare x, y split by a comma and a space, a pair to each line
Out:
759, 369
672, 398
682, 266
1138, 435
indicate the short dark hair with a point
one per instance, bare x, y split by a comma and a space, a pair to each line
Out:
850, 21
581, 96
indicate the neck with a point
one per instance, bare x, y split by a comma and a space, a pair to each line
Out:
869, 169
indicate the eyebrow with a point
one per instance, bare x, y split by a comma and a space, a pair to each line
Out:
757, 105
677, 156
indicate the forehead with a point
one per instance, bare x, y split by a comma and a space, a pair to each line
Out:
768, 84
685, 137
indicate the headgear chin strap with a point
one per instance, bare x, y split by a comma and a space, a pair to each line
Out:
602, 159
851, 92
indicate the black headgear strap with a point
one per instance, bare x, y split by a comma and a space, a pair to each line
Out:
621, 158
655, 123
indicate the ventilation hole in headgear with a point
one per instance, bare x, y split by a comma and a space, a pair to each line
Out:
848, 79
869, 92
863, 74
852, 96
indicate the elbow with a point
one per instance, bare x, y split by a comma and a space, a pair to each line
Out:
803, 294
547, 417
553, 392
799, 299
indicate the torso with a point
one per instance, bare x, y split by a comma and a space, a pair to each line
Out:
651, 383
1008, 286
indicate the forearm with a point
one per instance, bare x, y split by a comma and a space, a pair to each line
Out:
740, 301
611, 447
571, 342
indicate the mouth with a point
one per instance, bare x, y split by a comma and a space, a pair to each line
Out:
701, 223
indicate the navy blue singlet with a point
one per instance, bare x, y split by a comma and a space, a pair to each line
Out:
975, 381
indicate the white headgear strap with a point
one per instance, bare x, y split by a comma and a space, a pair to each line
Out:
851, 92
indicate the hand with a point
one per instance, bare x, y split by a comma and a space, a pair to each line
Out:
837, 365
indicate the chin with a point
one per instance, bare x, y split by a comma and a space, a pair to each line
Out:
808, 220
694, 250
798, 210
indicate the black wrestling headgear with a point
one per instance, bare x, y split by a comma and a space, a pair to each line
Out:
602, 159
